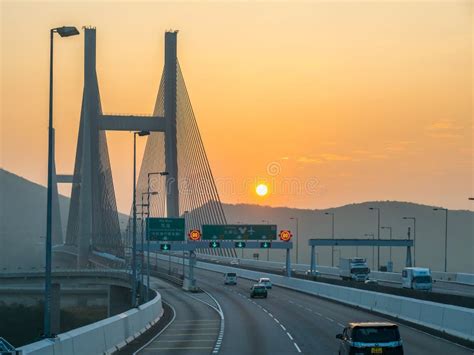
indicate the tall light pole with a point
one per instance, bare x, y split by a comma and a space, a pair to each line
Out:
378, 234
134, 223
147, 205
297, 238
445, 238
65, 31
268, 249
149, 193
373, 249
390, 231
414, 237
332, 236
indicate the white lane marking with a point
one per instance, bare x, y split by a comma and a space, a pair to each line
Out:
289, 335
297, 347
308, 309
341, 325
283, 327
218, 344
271, 315
329, 319
276, 320
161, 331
319, 314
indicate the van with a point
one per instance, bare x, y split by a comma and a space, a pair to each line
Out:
417, 278
230, 278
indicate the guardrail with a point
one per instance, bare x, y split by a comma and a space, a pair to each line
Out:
102, 337
453, 320
462, 278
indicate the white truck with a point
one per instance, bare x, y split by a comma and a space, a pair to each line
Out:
354, 269
417, 278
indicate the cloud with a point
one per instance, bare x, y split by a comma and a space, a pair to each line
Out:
445, 128
307, 160
335, 157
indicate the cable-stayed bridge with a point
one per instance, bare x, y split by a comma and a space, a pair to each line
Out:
174, 146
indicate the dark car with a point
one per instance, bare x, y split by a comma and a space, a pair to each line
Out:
370, 338
258, 291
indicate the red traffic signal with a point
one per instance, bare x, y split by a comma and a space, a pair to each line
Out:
285, 235
194, 234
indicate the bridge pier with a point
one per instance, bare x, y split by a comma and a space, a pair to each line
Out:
55, 308
118, 300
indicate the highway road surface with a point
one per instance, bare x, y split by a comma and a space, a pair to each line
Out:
289, 322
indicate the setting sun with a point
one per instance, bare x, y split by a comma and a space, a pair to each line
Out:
261, 190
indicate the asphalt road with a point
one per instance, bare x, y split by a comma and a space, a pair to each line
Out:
194, 330
311, 322
287, 322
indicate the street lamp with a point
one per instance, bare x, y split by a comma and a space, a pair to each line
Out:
373, 249
297, 237
445, 237
134, 225
414, 237
147, 205
332, 234
390, 231
65, 31
378, 234
268, 250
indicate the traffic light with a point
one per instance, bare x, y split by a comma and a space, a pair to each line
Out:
165, 247
265, 245
240, 244
214, 244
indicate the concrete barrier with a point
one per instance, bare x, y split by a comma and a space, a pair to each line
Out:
453, 320
102, 337
463, 278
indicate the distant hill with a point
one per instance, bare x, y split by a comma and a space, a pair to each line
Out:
23, 216
23, 221
355, 220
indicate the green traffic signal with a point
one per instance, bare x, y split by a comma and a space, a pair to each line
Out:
165, 246
240, 244
214, 245
265, 245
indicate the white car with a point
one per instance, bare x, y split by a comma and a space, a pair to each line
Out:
265, 281
234, 262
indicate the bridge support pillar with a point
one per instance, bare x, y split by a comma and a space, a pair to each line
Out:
312, 267
408, 258
118, 300
55, 308
189, 283
288, 262
171, 150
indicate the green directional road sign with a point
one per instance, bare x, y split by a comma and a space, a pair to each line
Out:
265, 245
239, 232
240, 244
214, 245
165, 229
165, 246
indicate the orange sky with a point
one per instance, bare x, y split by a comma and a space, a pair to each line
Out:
348, 101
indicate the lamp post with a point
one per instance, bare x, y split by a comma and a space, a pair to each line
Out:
65, 31
378, 234
185, 213
297, 238
445, 237
414, 237
390, 231
332, 236
268, 250
134, 223
373, 249
147, 205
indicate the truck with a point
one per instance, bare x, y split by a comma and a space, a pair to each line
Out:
417, 278
354, 269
